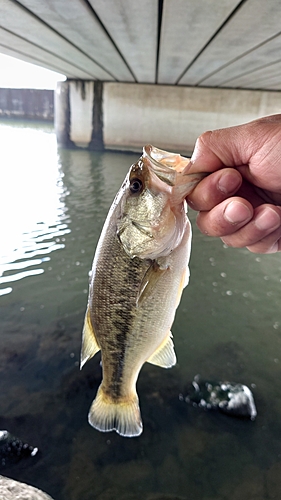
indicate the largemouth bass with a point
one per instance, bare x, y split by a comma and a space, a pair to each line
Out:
139, 271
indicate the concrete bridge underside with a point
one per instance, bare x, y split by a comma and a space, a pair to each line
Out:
159, 71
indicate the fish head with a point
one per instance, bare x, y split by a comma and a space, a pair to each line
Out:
153, 209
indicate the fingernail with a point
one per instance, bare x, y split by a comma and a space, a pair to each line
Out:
187, 167
236, 212
268, 219
229, 183
273, 249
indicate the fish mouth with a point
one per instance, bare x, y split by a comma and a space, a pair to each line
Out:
169, 167
164, 164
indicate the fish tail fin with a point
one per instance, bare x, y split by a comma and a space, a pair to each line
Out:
122, 416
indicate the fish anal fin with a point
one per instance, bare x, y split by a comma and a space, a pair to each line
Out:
165, 355
149, 281
89, 343
107, 414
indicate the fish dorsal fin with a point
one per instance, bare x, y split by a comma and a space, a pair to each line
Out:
165, 355
89, 343
149, 281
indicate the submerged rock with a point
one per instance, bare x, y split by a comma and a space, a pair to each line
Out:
14, 490
13, 449
230, 398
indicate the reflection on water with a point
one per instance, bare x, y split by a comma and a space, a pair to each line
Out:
33, 213
228, 327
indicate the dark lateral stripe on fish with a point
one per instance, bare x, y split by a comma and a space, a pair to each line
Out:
122, 323
121, 316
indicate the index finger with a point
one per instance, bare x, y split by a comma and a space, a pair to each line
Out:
215, 188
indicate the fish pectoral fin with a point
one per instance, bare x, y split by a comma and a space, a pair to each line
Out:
149, 281
124, 417
89, 343
165, 355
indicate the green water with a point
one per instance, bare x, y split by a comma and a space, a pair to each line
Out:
228, 327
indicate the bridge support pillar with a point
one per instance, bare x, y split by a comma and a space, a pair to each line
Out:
126, 116
78, 114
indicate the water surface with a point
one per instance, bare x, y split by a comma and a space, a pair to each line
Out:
228, 327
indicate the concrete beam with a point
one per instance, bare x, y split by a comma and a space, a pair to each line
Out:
77, 22
133, 26
34, 30
252, 25
186, 28
15, 46
172, 117
124, 116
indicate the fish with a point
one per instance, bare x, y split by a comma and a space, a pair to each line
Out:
139, 271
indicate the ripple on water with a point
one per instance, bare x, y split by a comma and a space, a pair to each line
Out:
32, 204
27, 260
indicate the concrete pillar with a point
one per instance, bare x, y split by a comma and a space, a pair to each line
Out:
62, 114
78, 114
126, 116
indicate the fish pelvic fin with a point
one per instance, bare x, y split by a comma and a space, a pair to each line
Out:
89, 343
164, 355
107, 414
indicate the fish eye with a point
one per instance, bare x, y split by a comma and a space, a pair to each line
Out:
136, 186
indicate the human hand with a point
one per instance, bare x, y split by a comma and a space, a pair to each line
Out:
240, 199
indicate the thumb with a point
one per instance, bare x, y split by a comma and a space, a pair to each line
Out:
238, 145
205, 157
227, 147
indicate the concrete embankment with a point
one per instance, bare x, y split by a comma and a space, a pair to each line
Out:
31, 104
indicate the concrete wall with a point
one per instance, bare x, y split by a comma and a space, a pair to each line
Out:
27, 103
126, 116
